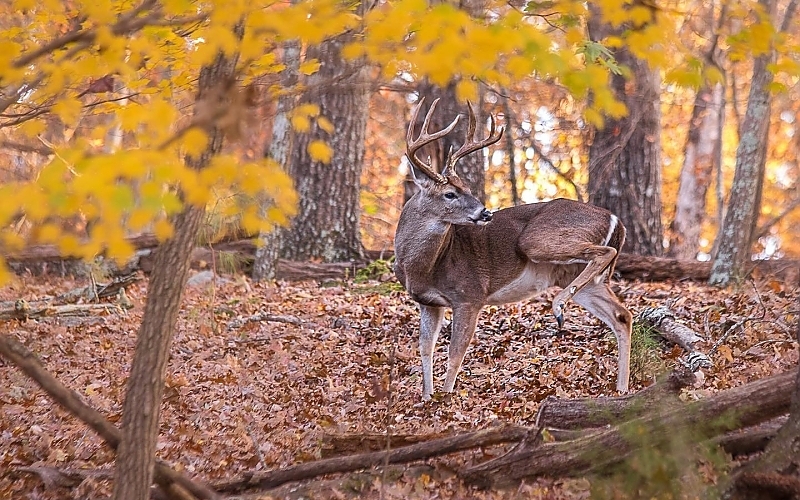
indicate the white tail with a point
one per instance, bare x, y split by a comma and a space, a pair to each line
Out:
452, 252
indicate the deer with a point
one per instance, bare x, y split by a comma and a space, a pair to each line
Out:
452, 252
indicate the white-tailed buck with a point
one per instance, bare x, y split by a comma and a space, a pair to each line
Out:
452, 252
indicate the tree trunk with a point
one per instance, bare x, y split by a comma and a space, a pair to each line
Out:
735, 238
141, 410
700, 159
625, 155
266, 260
327, 225
471, 168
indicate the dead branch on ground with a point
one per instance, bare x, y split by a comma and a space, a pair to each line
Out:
29, 364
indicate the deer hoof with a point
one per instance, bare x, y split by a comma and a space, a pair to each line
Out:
558, 312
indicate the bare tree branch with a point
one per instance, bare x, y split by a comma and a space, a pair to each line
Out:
29, 364
25, 148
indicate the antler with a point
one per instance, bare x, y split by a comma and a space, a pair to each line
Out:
413, 145
470, 145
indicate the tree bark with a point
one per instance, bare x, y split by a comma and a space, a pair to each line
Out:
327, 225
625, 155
735, 237
701, 155
145, 386
265, 264
582, 413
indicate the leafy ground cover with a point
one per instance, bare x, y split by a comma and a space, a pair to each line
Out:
263, 395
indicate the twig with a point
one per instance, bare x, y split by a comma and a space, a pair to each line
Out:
764, 229
739, 323
275, 318
29, 364
549, 163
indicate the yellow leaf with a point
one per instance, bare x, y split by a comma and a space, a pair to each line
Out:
68, 244
251, 221
120, 249
308, 109
163, 229
467, 90
195, 141
309, 67
714, 75
69, 110
325, 124
48, 233
32, 128
24, 4
575, 36
5, 275
301, 123
320, 151
593, 117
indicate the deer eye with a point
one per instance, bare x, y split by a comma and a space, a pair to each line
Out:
450, 195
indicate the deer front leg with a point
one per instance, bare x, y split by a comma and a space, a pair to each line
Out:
464, 321
429, 326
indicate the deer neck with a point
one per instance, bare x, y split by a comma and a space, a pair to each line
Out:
421, 243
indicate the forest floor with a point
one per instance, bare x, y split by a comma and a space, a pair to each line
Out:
342, 358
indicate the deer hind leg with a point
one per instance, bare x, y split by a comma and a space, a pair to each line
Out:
464, 320
599, 300
430, 323
598, 259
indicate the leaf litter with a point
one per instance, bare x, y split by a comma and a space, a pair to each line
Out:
263, 395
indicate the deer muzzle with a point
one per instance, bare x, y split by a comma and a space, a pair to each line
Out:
484, 217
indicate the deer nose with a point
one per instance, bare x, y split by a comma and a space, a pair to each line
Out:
486, 215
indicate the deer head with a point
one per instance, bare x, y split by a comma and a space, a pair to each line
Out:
444, 194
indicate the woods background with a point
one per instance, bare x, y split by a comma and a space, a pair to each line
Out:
283, 122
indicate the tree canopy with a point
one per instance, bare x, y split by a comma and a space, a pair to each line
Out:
99, 95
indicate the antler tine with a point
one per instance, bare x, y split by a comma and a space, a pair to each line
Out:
470, 145
413, 145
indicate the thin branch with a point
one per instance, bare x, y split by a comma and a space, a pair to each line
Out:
26, 148
549, 163
128, 23
30, 365
764, 229
791, 10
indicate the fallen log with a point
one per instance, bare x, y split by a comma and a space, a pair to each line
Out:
23, 311
663, 321
743, 406
582, 413
411, 453
750, 440
333, 445
29, 364
629, 266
